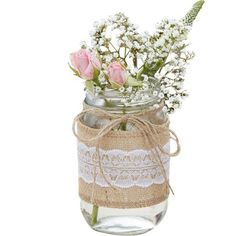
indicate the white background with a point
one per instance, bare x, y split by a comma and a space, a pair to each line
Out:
39, 97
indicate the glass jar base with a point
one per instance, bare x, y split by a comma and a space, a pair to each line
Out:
124, 221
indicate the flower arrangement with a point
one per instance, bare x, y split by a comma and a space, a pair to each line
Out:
140, 66
141, 71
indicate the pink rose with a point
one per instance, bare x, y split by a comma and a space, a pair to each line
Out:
85, 62
117, 74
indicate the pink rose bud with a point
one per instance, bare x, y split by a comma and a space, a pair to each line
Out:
85, 62
117, 74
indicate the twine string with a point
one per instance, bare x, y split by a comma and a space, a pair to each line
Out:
151, 133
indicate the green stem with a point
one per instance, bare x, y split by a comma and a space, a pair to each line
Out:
113, 47
135, 60
123, 126
94, 215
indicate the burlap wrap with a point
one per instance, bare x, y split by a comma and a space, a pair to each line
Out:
132, 197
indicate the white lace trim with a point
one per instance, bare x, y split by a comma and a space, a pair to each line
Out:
123, 169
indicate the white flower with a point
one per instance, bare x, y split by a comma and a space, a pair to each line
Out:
131, 55
129, 89
122, 28
142, 47
139, 55
166, 90
129, 44
136, 45
101, 42
145, 78
125, 38
104, 66
98, 89
155, 93
115, 54
162, 87
148, 44
145, 86
101, 78
166, 80
165, 109
120, 42
121, 89
161, 95
161, 42
145, 97
168, 67
108, 58
176, 105
103, 34
157, 75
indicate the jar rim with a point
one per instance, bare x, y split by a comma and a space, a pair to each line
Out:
112, 103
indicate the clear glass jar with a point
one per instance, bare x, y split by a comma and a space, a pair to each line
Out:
120, 221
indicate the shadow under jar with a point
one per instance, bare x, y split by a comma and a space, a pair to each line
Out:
133, 197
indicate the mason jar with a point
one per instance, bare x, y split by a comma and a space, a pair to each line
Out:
129, 217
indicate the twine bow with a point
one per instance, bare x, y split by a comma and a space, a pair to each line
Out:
151, 134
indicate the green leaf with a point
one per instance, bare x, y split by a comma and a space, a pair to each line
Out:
150, 70
96, 73
140, 72
133, 82
192, 14
109, 103
89, 86
74, 70
158, 65
115, 85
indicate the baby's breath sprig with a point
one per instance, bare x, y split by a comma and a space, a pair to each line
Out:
140, 66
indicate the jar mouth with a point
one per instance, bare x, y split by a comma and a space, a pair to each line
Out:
112, 100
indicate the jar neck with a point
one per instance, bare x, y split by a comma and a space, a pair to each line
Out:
112, 102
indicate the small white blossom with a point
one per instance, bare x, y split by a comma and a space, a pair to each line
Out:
165, 109
166, 80
155, 93
129, 44
175, 33
157, 75
129, 89
161, 95
142, 47
101, 42
98, 89
121, 89
145, 78
145, 87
